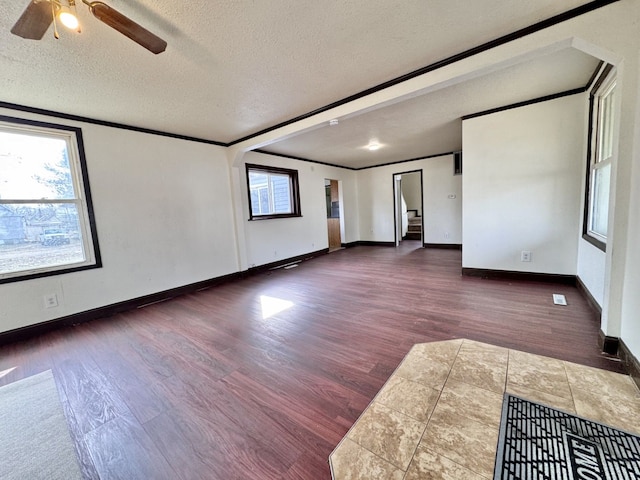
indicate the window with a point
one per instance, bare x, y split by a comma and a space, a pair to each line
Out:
601, 139
46, 219
273, 192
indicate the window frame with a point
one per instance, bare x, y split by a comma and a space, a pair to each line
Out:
82, 199
605, 84
294, 191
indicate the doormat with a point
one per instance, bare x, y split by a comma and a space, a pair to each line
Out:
538, 442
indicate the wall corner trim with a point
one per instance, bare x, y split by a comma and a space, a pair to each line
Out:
608, 345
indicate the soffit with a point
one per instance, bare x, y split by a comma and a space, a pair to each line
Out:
431, 124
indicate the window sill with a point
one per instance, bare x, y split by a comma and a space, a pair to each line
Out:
271, 217
595, 242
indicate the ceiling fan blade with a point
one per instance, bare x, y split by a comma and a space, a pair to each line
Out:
128, 27
35, 20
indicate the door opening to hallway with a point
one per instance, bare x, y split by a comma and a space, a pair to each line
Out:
332, 193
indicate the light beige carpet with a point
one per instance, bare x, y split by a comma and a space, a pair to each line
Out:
34, 437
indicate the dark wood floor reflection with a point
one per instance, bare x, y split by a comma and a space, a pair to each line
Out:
261, 378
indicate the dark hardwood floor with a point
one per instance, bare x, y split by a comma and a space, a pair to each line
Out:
204, 387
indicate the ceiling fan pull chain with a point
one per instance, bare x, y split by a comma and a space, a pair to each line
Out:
55, 26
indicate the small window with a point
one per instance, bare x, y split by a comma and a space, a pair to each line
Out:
273, 192
601, 149
46, 219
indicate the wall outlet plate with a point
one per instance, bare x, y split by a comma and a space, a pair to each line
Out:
559, 299
50, 300
525, 256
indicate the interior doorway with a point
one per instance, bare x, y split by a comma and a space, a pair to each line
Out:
408, 206
332, 195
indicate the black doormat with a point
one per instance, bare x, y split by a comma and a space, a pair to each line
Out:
541, 443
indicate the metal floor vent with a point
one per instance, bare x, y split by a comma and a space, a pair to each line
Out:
541, 443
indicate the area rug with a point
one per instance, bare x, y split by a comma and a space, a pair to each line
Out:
540, 442
34, 437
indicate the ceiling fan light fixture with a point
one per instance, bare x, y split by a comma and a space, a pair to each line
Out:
69, 20
373, 146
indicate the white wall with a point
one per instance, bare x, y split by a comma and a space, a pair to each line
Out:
591, 269
442, 215
269, 241
375, 189
163, 220
522, 183
630, 325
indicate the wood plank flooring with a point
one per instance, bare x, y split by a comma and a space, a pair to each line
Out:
204, 387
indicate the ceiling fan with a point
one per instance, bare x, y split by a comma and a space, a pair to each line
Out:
39, 14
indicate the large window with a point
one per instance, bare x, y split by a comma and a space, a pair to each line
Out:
46, 220
273, 192
601, 150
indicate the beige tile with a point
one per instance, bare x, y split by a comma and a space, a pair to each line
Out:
603, 381
481, 365
391, 435
560, 403
464, 441
539, 373
423, 370
352, 462
473, 346
427, 465
460, 398
618, 410
411, 398
442, 352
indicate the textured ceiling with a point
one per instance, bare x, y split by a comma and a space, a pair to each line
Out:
232, 68
431, 123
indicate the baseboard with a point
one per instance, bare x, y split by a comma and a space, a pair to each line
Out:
527, 276
588, 297
287, 261
369, 243
30, 331
349, 245
608, 345
447, 246
630, 361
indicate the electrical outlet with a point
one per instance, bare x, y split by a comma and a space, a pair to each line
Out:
525, 256
446, 235
50, 300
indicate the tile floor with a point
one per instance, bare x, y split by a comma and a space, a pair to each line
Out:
438, 415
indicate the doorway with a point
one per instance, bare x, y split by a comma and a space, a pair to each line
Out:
332, 195
408, 207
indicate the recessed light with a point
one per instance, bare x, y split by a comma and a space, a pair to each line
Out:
333, 122
373, 146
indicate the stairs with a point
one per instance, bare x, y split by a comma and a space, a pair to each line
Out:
414, 232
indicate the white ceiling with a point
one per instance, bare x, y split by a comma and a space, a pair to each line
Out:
431, 124
233, 68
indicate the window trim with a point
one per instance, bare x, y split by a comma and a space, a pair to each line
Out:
295, 191
76, 145
605, 81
